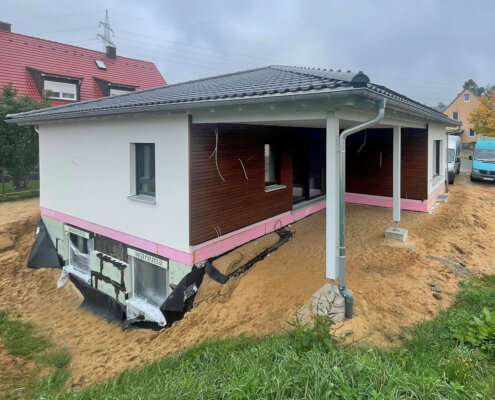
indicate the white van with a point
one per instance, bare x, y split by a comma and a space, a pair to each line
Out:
454, 157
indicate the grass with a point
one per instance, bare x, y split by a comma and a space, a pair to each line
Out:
31, 191
40, 368
9, 187
306, 364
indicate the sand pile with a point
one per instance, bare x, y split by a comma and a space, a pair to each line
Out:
211, 290
391, 283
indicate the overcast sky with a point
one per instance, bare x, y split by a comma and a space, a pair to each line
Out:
424, 49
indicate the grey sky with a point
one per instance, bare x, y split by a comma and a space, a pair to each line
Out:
424, 49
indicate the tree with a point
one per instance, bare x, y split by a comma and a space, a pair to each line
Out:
18, 144
440, 106
473, 87
483, 117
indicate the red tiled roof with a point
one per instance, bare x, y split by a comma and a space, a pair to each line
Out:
20, 51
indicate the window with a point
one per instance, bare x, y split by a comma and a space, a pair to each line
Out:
472, 133
436, 157
150, 282
455, 115
149, 286
145, 169
115, 92
80, 247
100, 64
467, 98
272, 166
61, 90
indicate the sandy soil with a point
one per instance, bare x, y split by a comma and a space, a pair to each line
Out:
391, 283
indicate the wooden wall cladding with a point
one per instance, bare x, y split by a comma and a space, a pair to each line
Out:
368, 175
238, 201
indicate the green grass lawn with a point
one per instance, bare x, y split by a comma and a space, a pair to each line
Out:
32, 190
38, 365
307, 364
9, 187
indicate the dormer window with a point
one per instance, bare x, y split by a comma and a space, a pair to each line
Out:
60, 90
100, 64
115, 92
113, 88
58, 87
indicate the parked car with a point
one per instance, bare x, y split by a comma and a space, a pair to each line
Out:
454, 157
484, 159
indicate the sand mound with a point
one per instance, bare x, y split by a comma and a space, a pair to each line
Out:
391, 283
229, 263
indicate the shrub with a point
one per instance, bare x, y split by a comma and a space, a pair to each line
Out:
480, 332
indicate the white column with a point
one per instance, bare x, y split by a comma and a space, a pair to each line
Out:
332, 196
397, 172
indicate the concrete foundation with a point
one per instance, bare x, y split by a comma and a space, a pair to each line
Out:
324, 303
399, 234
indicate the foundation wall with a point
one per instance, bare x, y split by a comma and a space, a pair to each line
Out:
110, 267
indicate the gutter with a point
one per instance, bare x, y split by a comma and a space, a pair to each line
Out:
364, 93
347, 294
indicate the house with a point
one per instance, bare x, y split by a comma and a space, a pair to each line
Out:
201, 167
460, 109
70, 73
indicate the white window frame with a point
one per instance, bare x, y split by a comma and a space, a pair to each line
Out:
455, 115
473, 133
136, 306
70, 267
100, 64
468, 97
436, 159
61, 90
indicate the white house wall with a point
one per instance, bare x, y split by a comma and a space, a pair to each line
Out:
85, 170
436, 132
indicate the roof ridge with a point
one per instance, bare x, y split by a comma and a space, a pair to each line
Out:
306, 71
76, 47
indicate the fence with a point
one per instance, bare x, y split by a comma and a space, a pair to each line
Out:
8, 191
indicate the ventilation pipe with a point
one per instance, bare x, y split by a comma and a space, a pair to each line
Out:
342, 263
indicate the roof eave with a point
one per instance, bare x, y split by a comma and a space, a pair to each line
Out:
366, 93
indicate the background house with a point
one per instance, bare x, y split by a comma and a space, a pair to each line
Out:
460, 109
71, 73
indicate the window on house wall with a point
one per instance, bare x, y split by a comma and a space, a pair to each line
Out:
145, 169
436, 157
272, 165
472, 133
150, 282
61, 90
455, 115
467, 98
80, 246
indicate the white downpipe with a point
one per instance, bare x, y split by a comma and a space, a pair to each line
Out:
342, 145
396, 174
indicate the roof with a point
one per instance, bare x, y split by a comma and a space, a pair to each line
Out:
464, 91
20, 52
238, 87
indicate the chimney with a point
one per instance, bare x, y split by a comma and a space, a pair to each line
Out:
5, 26
111, 52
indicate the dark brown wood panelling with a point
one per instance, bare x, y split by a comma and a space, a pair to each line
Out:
111, 247
238, 201
368, 175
